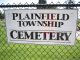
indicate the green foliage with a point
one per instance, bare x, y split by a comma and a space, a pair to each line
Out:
42, 2
78, 24
70, 2
1, 15
43, 7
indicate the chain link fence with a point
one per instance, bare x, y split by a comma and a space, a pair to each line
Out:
12, 51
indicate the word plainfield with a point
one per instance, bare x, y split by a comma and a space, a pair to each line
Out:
39, 16
29, 35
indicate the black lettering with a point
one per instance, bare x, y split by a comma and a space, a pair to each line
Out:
39, 23
57, 16
60, 36
52, 36
20, 17
12, 34
67, 17
14, 15
20, 35
31, 16
29, 36
27, 16
37, 16
19, 22
30, 23
37, 36
44, 36
42, 16
67, 36
60, 23
47, 16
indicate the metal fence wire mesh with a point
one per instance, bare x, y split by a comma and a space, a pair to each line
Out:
12, 51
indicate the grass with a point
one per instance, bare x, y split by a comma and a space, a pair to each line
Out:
14, 51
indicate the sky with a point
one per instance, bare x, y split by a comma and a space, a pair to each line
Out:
29, 1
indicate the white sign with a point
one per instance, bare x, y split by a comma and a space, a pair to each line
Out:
43, 26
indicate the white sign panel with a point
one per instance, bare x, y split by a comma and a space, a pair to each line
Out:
44, 26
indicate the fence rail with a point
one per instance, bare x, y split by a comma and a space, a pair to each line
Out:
58, 4
42, 5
